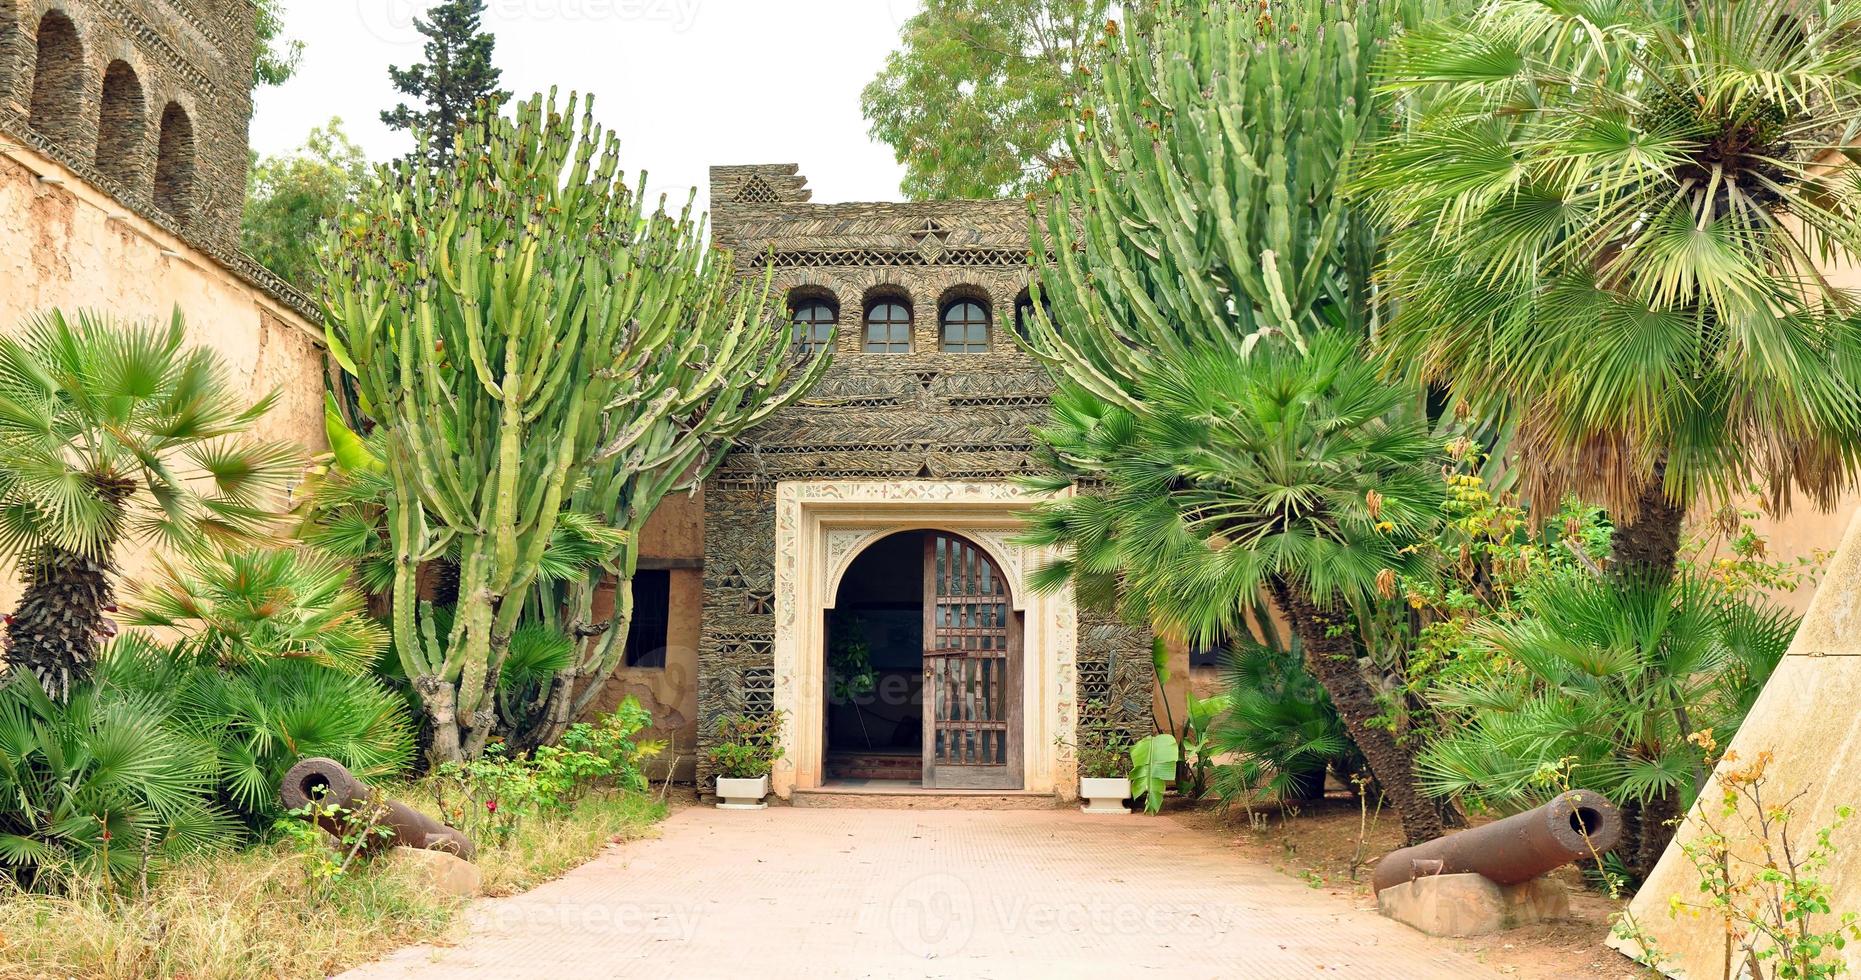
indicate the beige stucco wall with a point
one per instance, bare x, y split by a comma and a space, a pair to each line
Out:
67, 244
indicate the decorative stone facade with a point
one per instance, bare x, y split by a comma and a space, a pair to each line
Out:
149, 100
925, 415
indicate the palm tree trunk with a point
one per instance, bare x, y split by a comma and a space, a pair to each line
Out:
1654, 828
1332, 660
54, 632
1646, 545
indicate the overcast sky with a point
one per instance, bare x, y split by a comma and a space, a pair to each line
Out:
686, 83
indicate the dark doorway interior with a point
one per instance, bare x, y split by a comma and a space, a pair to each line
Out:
875, 728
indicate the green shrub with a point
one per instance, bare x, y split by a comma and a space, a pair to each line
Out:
747, 745
490, 797
1610, 685
1104, 748
101, 786
1280, 729
272, 663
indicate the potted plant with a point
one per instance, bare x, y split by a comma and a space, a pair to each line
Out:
1103, 754
746, 750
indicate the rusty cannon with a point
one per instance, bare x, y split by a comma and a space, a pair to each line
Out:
325, 783
1576, 825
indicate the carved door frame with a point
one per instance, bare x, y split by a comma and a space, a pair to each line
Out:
821, 526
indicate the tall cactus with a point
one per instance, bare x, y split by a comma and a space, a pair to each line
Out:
530, 335
1210, 212
1208, 209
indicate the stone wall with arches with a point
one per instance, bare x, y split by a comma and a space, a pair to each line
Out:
913, 419
147, 99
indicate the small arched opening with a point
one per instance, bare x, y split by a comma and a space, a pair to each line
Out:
174, 165
121, 120
58, 80
923, 667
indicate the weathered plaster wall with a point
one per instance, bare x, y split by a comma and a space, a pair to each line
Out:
673, 539
70, 245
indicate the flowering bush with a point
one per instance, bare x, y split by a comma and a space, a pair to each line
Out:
488, 797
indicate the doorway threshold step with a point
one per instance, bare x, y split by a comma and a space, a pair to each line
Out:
877, 795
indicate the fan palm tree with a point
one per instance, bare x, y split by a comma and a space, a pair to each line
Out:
236, 606
1300, 474
1612, 219
1607, 680
101, 784
255, 715
1279, 728
111, 434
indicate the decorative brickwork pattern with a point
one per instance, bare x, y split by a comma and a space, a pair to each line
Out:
921, 415
174, 165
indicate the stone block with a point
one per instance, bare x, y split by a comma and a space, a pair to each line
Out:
445, 873
1470, 905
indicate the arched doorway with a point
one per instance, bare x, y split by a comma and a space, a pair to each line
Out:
923, 667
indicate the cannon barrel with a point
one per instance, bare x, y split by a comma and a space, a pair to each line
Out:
326, 783
1576, 825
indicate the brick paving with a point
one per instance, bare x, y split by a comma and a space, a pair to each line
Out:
821, 893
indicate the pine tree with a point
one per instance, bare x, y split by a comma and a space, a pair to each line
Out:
456, 76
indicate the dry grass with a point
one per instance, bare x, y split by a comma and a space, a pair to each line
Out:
254, 914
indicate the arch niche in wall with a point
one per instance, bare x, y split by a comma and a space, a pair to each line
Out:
58, 80
174, 165
122, 118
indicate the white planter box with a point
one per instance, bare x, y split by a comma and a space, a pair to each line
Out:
742, 794
1104, 795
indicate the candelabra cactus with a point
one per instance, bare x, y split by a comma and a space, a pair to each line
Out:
1208, 207
1214, 279
535, 341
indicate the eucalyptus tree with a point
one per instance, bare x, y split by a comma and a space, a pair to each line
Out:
1615, 218
548, 356
112, 435
1206, 275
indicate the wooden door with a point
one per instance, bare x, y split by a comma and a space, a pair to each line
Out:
972, 670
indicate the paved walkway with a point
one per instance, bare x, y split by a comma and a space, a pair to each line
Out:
899, 894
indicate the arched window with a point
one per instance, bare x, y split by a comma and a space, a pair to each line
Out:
174, 164
120, 122
814, 319
965, 327
888, 327
58, 80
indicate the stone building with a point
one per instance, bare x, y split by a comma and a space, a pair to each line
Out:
878, 516
123, 160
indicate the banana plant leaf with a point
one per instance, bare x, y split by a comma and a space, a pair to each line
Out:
1153, 765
